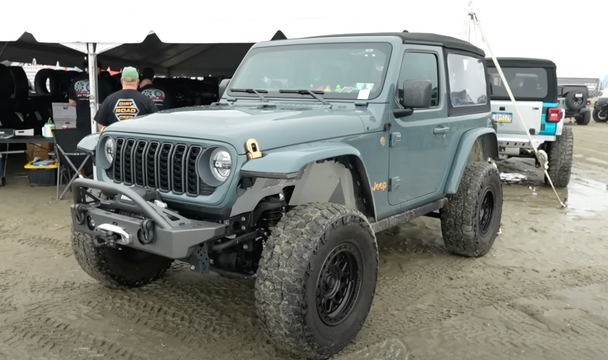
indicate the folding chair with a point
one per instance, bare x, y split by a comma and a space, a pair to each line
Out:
66, 141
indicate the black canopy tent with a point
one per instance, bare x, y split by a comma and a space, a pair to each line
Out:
167, 59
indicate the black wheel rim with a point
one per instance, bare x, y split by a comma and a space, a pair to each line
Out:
486, 212
338, 284
602, 115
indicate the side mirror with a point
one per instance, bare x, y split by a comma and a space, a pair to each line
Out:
416, 95
560, 91
222, 87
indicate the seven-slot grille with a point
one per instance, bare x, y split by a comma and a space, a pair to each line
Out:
165, 166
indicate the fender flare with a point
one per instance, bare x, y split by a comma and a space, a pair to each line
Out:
489, 143
289, 162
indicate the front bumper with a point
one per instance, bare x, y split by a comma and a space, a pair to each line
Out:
155, 229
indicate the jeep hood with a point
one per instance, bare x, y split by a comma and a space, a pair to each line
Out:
271, 128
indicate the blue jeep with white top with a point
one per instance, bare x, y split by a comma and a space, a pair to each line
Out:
533, 83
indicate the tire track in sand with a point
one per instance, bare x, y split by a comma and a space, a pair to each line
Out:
44, 337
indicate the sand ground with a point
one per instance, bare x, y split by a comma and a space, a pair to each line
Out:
541, 293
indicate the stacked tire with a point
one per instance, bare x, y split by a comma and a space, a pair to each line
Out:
58, 84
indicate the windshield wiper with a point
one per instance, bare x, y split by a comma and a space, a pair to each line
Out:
253, 91
313, 93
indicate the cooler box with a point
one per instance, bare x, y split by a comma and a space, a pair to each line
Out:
42, 173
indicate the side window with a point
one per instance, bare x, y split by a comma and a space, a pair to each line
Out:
467, 80
420, 66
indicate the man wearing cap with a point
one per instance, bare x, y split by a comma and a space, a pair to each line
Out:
79, 93
125, 104
157, 93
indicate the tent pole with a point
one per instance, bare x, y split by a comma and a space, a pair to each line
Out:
92, 58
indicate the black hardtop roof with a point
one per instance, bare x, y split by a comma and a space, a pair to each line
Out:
421, 38
522, 62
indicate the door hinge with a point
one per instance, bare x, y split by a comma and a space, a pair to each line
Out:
395, 138
394, 183
388, 126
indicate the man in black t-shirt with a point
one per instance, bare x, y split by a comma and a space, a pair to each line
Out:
79, 92
157, 93
124, 104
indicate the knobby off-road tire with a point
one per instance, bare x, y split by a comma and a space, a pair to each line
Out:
471, 219
125, 268
598, 118
300, 256
584, 118
560, 158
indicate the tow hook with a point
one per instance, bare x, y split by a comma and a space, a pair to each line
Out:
147, 234
80, 213
111, 235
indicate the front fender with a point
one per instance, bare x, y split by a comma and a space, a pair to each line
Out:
89, 143
287, 162
489, 143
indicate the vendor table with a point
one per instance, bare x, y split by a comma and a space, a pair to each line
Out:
34, 140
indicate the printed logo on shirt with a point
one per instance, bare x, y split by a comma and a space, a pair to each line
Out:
156, 95
82, 89
125, 109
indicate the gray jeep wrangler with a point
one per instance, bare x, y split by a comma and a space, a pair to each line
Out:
316, 145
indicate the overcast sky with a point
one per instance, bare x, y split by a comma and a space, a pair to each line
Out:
571, 33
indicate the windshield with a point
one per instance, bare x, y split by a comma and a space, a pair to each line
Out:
346, 71
529, 83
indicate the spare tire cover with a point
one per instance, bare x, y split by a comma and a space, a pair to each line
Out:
7, 85
22, 84
576, 100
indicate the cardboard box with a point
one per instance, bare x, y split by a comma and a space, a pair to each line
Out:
40, 150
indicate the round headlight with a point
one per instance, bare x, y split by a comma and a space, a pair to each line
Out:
108, 149
221, 164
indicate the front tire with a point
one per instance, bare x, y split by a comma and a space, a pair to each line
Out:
560, 158
124, 268
471, 219
317, 279
599, 115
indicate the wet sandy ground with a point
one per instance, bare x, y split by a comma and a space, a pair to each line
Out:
541, 293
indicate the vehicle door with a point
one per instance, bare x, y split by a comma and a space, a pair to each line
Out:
418, 143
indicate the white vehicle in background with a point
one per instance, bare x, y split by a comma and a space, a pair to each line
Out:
534, 86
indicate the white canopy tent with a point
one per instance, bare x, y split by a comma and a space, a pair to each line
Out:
177, 42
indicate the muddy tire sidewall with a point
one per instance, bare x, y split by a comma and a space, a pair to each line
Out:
460, 223
560, 154
126, 268
286, 286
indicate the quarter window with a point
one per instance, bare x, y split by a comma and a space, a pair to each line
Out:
420, 66
468, 82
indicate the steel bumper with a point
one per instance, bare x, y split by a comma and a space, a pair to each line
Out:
159, 230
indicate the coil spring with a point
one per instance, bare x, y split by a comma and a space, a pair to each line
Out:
272, 217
